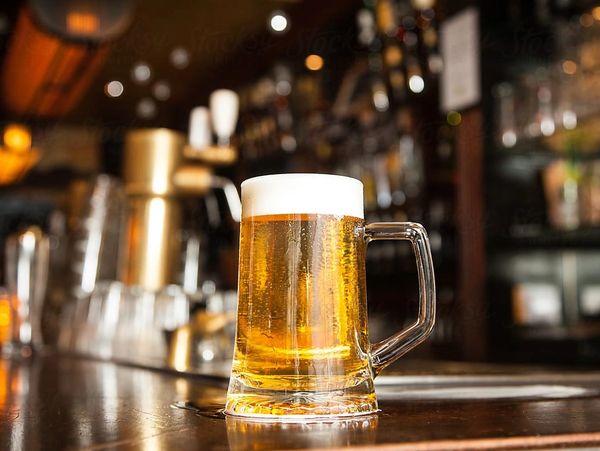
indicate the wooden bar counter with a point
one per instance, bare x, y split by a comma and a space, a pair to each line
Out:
59, 402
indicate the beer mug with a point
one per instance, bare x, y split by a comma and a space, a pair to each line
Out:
302, 346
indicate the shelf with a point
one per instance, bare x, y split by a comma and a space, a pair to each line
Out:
535, 150
579, 332
585, 138
542, 237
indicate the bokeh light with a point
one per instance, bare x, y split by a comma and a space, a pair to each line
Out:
141, 73
114, 88
416, 83
314, 62
278, 22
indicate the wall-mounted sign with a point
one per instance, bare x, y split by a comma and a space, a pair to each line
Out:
460, 86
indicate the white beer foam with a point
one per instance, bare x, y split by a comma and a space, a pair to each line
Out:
302, 193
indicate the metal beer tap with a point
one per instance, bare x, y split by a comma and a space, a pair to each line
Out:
160, 169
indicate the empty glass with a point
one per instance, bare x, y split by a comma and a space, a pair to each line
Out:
27, 257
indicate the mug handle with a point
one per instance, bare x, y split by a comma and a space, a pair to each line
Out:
387, 351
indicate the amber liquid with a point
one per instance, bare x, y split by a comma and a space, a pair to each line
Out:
302, 320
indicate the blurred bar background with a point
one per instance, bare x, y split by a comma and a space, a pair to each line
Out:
127, 128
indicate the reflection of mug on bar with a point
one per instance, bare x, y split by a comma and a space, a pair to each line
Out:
302, 345
245, 433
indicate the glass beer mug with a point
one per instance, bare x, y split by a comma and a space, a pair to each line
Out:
302, 346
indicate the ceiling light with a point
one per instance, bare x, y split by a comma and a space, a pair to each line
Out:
162, 90
113, 88
313, 62
146, 108
141, 73
278, 22
180, 58
17, 137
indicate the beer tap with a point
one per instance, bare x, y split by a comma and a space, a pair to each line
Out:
161, 167
127, 318
223, 114
224, 107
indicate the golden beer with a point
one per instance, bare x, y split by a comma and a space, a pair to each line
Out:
302, 345
302, 320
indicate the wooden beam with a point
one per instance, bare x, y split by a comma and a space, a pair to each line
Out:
471, 312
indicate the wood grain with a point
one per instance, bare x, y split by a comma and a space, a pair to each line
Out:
57, 402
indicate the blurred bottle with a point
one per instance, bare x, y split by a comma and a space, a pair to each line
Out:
506, 127
561, 186
591, 194
5, 328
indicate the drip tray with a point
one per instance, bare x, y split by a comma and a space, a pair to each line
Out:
452, 388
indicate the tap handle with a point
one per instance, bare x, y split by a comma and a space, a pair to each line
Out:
231, 196
224, 106
200, 135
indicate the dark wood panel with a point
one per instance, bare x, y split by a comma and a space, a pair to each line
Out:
470, 214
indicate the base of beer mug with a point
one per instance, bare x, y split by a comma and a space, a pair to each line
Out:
285, 406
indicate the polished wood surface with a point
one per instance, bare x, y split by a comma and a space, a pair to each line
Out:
55, 402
